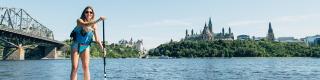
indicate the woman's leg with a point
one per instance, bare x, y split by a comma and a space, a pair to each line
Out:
74, 61
85, 57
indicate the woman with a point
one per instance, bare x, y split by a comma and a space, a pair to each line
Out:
82, 37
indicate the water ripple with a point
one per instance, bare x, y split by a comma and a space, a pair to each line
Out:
169, 69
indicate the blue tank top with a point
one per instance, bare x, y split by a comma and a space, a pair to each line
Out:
83, 39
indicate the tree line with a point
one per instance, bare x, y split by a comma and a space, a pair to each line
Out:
234, 48
113, 50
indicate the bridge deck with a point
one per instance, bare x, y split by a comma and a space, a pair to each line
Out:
20, 32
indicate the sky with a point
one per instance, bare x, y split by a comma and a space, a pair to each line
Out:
158, 21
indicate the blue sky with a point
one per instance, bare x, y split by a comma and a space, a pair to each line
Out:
157, 21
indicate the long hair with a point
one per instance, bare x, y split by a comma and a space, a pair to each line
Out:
83, 16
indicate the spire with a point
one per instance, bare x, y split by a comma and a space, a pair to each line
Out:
131, 41
210, 25
205, 28
270, 28
229, 30
270, 35
205, 24
187, 33
192, 32
222, 31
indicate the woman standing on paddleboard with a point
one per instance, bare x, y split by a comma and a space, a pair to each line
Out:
82, 36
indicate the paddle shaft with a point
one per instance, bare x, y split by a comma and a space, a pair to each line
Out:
104, 51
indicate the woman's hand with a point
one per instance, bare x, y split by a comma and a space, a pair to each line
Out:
105, 52
102, 17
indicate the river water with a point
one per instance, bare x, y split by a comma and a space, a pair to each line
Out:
169, 69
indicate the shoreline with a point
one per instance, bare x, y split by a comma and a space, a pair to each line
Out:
172, 58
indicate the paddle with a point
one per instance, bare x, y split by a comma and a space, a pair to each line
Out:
104, 52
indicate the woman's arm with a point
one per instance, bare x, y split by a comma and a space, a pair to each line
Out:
87, 24
96, 36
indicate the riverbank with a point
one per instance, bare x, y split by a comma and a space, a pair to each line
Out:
235, 48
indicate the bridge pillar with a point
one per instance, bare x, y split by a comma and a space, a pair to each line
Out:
52, 52
18, 54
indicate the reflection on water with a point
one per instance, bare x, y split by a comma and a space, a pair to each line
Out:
169, 69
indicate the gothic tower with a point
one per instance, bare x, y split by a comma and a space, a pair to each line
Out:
192, 32
223, 32
205, 28
187, 33
210, 25
206, 34
229, 30
270, 35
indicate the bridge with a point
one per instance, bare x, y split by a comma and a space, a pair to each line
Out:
22, 37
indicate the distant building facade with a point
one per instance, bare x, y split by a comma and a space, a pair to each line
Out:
258, 38
225, 36
138, 45
288, 39
312, 40
126, 43
243, 37
208, 34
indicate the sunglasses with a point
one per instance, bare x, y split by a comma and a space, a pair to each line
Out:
89, 12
